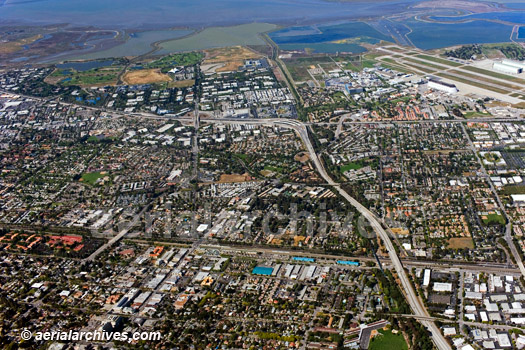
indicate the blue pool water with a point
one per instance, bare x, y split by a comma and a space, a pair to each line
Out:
262, 270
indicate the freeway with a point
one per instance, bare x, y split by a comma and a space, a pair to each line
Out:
120, 235
271, 121
413, 300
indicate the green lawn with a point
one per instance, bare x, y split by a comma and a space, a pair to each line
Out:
369, 63
508, 190
351, 166
273, 168
474, 114
493, 219
178, 59
91, 178
352, 67
242, 156
386, 340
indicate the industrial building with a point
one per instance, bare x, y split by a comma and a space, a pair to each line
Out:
439, 85
509, 66
517, 64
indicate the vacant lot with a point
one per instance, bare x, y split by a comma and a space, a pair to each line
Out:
302, 157
461, 243
231, 57
145, 76
226, 54
182, 83
228, 178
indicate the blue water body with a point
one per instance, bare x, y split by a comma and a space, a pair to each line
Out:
321, 38
436, 35
296, 31
85, 66
521, 33
138, 43
157, 14
517, 17
329, 33
516, 5
261, 270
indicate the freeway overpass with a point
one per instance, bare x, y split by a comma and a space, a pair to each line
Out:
413, 300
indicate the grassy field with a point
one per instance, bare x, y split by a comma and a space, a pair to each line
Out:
145, 76
351, 166
426, 70
396, 49
461, 243
486, 79
180, 59
391, 64
493, 219
423, 63
439, 60
369, 63
93, 77
508, 190
273, 168
473, 114
352, 66
91, 178
494, 74
386, 340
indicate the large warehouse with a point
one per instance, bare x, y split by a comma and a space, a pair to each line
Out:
509, 66
436, 84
